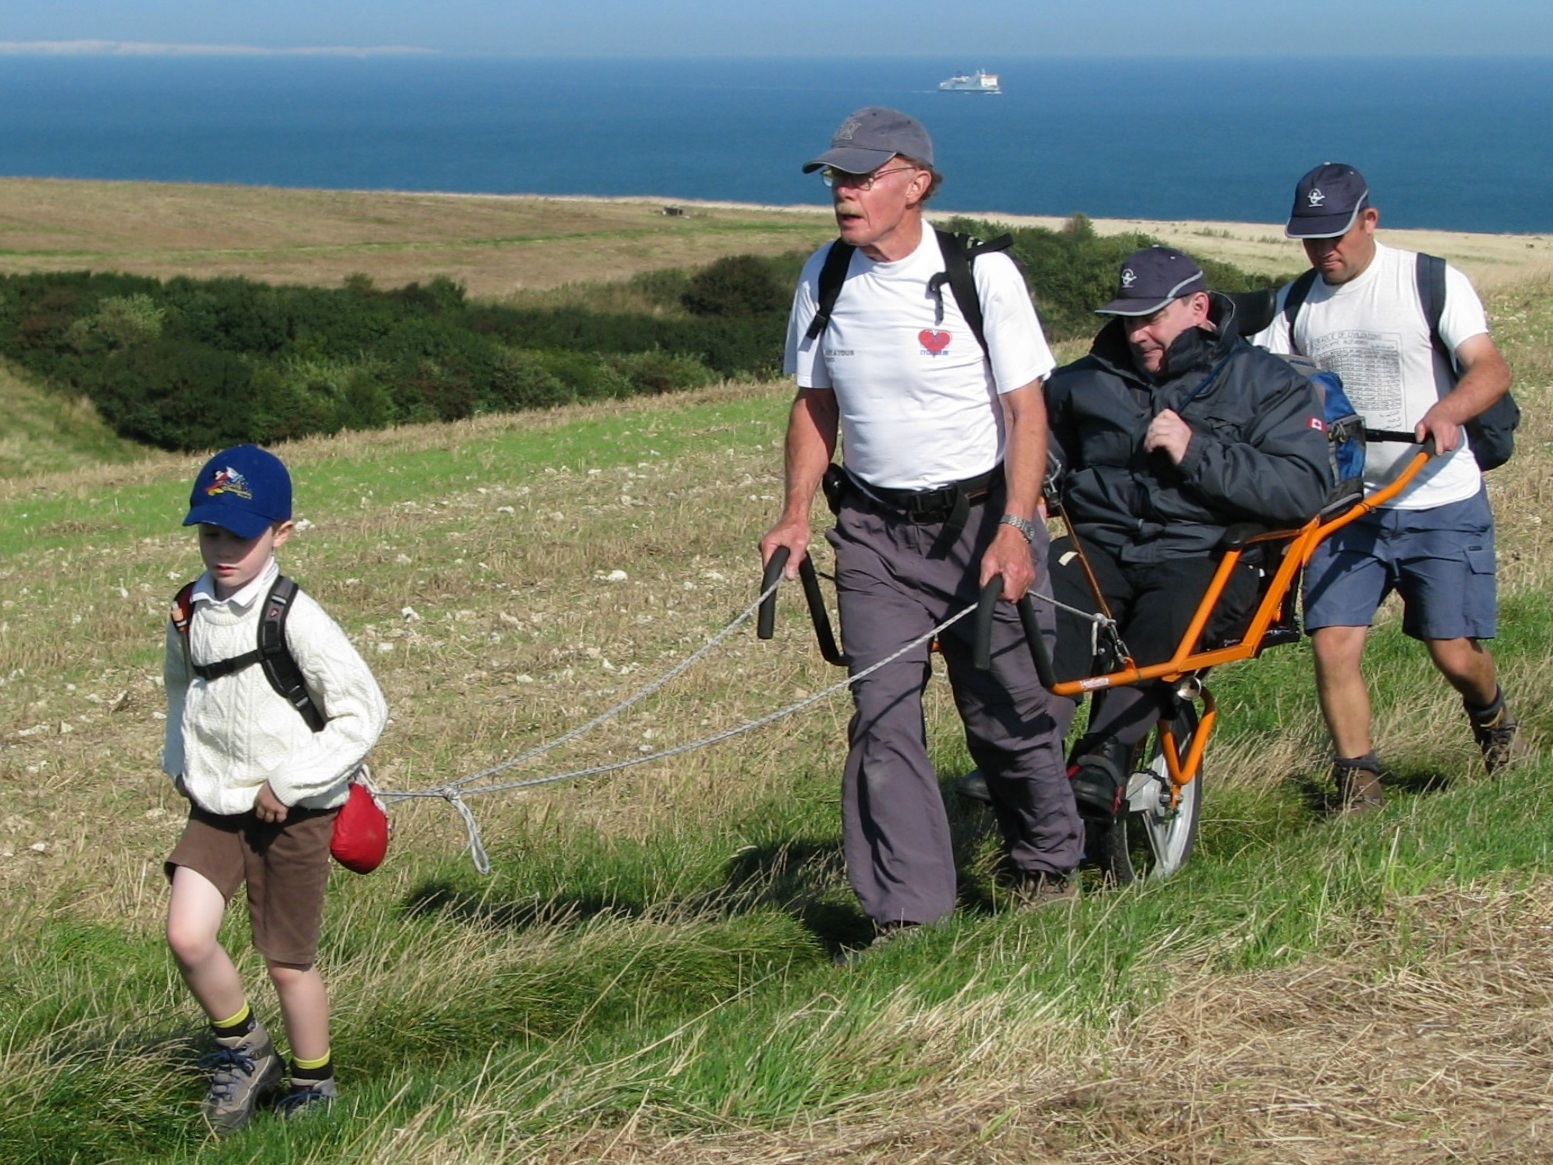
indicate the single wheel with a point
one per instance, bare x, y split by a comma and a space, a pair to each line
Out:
1149, 839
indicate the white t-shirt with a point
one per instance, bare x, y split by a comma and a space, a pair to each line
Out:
1372, 332
917, 400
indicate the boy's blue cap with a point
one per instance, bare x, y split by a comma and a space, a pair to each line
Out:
1327, 201
244, 489
1151, 278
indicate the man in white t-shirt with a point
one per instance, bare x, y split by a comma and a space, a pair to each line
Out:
944, 451
1434, 544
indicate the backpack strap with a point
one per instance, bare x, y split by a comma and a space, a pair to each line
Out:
1299, 291
833, 273
271, 652
280, 666
182, 612
1429, 272
959, 251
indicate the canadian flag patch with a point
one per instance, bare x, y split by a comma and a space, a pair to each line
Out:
1318, 424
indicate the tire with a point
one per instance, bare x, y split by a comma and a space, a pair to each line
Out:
1148, 839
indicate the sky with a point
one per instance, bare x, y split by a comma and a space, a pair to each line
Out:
980, 32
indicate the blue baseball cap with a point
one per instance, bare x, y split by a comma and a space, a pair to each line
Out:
1327, 201
872, 136
244, 489
1151, 278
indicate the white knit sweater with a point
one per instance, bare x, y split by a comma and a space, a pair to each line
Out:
228, 736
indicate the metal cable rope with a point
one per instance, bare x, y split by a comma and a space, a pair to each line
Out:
455, 791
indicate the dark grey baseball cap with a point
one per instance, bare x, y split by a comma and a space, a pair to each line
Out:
872, 136
1327, 201
1151, 278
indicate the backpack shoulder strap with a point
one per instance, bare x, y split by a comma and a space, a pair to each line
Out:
960, 252
1429, 272
1299, 291
183, 612
280, 667
833, 272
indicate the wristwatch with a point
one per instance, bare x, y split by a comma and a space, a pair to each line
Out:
1023, 525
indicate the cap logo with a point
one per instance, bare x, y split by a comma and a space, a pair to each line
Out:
229, 481
1129, 277
1315, 197
848, 129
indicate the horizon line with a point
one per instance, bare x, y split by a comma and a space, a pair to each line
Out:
121, 48
104, 47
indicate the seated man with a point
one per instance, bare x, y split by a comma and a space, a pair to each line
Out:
1171, 430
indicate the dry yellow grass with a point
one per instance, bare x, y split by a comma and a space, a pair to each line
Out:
494, 245
500, 244
1433, 1051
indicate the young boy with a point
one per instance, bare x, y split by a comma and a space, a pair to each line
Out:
263, 787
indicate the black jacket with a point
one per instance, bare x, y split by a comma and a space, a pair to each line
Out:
1258, 451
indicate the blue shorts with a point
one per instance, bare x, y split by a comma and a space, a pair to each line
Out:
1440, 560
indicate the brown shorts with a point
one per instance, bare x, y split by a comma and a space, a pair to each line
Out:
284, 866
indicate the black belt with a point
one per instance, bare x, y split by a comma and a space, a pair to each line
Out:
934, 505
949, 504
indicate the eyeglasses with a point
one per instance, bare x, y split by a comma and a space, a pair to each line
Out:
833, 177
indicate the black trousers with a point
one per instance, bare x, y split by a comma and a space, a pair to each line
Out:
1153, 604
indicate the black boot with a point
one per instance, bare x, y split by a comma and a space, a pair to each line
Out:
1099, 773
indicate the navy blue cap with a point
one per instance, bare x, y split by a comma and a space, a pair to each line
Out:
1327, 201
871, 137
244, 489
1151, 278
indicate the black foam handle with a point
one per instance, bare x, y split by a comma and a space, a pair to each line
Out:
817, 613
1038, 652
986, 608
765, 619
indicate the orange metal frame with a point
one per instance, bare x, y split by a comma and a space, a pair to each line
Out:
1186, 660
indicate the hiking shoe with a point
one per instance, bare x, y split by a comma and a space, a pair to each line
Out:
1036, 889
973, 787
305, 1098
1098, 786
1358, 788
884, 934
1499, 740
243, 1069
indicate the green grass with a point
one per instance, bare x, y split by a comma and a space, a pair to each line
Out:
648, 972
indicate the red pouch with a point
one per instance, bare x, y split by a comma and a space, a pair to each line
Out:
360, 828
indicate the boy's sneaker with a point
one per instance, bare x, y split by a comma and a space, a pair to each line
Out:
303, 1098
1358, 787
1499, 740
244, 1068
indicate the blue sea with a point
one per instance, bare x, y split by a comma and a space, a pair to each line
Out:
1456, 144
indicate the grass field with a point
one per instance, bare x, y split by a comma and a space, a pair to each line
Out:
646, 975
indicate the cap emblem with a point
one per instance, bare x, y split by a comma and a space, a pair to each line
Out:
1315, 197
229, 481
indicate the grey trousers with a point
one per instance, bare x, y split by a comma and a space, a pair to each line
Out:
895, 828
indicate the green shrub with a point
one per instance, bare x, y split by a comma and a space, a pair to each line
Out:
659, 372
737, 286
177, 395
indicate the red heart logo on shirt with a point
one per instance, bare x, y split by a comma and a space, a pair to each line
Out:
934, 342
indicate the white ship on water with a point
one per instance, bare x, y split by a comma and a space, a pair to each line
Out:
980, 81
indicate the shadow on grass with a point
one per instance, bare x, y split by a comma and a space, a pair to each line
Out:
803, 877
448, 900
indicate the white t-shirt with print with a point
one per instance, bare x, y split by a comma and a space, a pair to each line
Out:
1372, 332
917, 400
